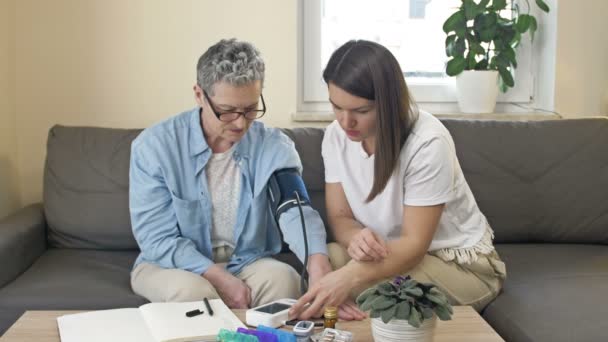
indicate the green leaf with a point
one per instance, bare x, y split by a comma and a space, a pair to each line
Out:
509, 54
367, 305
499, 4
375, 313
470, 9
442, 313
455, 22
456, 66
409, 283
382, 303
533, 27
506, 32
471, 62
483, 3
515, 40
415, 291
386, 289
506, 76
476, 48
542, 5
364, 295
427, 313
459, 48
523, 23
402, 311
485, 26
436, 299
414, 319
449, 45
482, 65
388, 314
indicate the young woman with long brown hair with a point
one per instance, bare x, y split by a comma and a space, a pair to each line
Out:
397, 200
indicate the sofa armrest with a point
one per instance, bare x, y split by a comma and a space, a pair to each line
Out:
22, 241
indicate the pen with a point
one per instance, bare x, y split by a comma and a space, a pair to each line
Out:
194, 313
209, 310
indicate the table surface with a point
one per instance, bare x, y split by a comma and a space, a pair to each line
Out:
466, 325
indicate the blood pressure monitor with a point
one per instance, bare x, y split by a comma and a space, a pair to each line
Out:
272, 314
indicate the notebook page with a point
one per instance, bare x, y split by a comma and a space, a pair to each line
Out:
168, 321
119, 325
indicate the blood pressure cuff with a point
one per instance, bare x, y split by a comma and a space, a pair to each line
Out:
282, 187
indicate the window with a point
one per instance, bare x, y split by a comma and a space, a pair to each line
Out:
411, 29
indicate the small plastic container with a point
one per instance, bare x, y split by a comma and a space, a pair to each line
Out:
335, 335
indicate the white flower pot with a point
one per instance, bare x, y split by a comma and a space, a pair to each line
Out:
477, 90
401, 330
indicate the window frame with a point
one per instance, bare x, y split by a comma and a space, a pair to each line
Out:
312, 103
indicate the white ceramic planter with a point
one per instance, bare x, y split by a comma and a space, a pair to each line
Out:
401, 330
477, 90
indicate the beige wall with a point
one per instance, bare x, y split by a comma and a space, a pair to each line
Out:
581, 79
9, 194
131, 63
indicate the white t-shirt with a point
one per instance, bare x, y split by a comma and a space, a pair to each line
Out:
224, 181
428, 174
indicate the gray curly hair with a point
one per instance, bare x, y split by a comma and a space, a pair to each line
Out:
231, 61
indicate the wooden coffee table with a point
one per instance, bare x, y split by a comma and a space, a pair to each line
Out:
466, 325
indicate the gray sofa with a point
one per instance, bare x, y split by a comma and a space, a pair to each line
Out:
543, 186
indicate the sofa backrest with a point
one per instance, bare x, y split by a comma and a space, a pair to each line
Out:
538, 181
86, 187
542, 181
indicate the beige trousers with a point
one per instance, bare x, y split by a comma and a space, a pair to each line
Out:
475, 284
269, 280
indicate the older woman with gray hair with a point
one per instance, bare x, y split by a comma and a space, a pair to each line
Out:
199, 197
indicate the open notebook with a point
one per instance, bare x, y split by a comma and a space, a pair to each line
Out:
153, 322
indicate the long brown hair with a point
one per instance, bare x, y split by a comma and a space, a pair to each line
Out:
369, 70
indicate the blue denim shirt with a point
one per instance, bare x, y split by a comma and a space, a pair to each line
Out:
171, 206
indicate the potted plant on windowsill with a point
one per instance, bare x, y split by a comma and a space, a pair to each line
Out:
404, 309
482, 38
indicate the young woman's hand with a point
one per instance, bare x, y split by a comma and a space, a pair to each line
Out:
331, 290
367, 246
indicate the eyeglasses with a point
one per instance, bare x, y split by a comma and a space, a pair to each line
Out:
231, 115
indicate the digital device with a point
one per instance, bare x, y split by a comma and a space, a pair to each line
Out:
304, 328
272, 314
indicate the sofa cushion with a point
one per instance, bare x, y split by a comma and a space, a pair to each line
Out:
86, 183
538, 181
74, 279
553, 292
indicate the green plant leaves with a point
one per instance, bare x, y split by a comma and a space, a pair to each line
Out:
457, 23
388, 314
499, 4
414, 319
542, 5
414, 291
456, 65
471, 9
485, 26
402, 310
506, 76
523, 23
442, 313
533, 27
364, 295
449, 45
382, 303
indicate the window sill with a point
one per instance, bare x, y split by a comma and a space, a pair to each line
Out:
451, 113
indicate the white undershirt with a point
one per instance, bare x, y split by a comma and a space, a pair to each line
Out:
224, 181
428, 174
